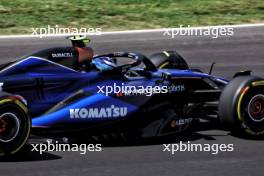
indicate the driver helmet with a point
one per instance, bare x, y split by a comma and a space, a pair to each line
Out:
104, 63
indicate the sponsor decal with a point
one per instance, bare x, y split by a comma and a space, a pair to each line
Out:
106, 112
55, 55
176, 88
181, 122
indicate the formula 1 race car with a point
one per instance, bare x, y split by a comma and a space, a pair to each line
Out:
119, 93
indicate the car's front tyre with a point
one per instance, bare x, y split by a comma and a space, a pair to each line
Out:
15, 125
241, 106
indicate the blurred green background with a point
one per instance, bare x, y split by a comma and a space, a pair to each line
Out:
19, 16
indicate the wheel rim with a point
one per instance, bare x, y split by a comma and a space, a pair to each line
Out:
256, 108
9, 127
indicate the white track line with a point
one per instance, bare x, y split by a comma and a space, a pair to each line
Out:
137, 31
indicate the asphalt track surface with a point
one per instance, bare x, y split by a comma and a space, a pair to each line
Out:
243, 51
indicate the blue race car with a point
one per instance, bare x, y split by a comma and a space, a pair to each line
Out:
126, 93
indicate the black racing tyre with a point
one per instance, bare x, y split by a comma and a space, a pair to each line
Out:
15, 125
241, 106
169, 59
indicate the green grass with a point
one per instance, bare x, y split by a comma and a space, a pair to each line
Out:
19, 16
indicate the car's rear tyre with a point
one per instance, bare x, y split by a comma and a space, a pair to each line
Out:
169, 59
241, 106
15, 125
